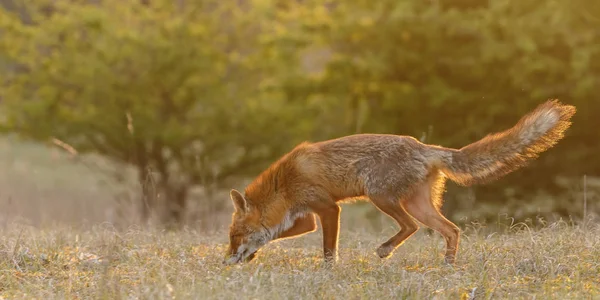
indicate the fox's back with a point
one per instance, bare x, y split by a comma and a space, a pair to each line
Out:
366, 164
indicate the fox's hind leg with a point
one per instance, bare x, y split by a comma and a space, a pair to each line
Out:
424, 206
391, 207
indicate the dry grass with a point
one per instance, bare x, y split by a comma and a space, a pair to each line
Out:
45, 261
559, 261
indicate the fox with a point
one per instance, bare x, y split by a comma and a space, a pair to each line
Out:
403, 177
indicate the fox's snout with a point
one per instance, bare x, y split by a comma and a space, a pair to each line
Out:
238, 258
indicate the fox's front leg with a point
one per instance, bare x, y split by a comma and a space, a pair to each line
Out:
329, 213
302, 225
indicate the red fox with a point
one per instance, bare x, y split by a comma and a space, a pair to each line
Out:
401, 176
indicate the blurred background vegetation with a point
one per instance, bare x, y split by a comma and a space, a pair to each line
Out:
150, 111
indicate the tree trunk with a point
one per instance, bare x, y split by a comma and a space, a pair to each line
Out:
148, 196
176, 200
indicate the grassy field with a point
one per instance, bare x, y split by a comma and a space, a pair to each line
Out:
51, 249
559, 261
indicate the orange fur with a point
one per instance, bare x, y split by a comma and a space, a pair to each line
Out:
402, 177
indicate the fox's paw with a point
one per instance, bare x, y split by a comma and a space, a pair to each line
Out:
449, 260
330, 261
384, 251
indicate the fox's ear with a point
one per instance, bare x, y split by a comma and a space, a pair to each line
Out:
238, 201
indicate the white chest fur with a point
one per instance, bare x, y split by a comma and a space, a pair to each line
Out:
288, 221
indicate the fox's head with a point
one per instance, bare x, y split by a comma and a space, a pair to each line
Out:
246, 233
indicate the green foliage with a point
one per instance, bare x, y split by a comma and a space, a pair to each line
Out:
452, 72
199, 91
185, 91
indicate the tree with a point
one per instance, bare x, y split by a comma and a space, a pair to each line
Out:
185, 93
453, 71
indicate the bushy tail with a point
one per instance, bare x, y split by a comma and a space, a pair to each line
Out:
501, 153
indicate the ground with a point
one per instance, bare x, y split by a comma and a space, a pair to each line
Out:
51, 247
558, 261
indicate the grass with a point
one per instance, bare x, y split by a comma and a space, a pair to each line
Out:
42, 259
558, 261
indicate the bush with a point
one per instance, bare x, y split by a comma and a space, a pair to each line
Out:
191, 93
450, 72
183, 93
